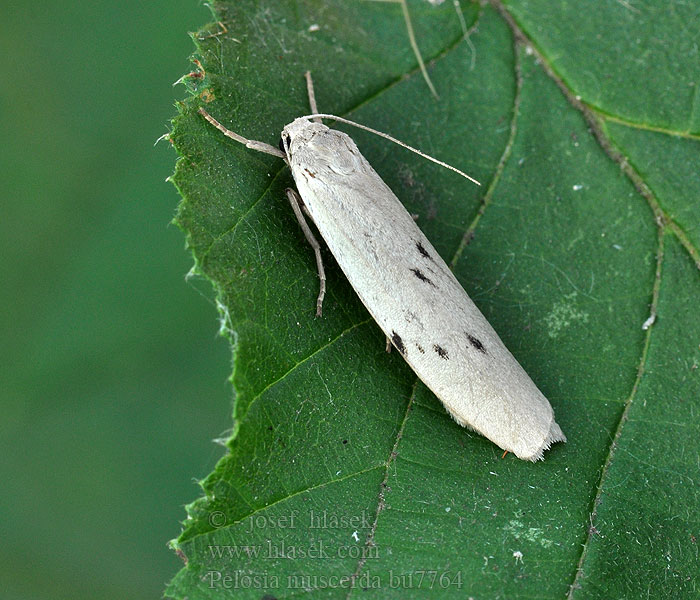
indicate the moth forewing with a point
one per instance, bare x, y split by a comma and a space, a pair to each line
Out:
412, 294
407, 287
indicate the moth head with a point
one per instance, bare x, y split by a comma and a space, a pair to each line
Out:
299, 133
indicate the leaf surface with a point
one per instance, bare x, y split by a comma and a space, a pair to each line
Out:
583, 127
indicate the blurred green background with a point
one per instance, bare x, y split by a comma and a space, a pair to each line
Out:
113, 377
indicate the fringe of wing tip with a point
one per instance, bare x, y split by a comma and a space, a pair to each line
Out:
555, 435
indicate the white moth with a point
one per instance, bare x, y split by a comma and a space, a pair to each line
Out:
408, 288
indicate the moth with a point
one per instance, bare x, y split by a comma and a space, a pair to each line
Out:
407, 287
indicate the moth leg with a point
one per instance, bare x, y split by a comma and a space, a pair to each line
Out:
388, 344
255, 145
297, 205
312, 96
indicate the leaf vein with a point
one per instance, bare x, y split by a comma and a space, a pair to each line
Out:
303, 361
623, 419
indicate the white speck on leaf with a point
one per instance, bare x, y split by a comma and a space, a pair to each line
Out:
563, 314
530, 534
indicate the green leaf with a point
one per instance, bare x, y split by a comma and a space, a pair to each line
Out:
582, 121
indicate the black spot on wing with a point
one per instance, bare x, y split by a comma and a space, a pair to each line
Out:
441, 352
398, 342
476, 342
423, 251
420, 275
420, 349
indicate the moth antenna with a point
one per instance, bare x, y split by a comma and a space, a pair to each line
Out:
312, 95
253, 144
393, 139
